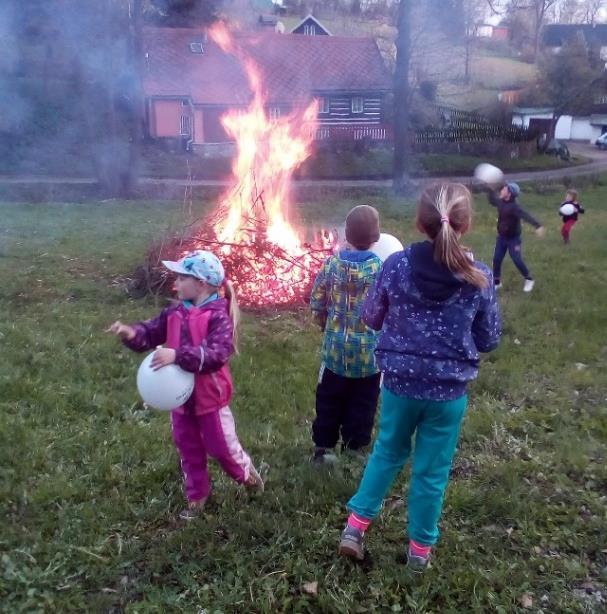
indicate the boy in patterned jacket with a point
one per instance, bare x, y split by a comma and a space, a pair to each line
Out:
349, 380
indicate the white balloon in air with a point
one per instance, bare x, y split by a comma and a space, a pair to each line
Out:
487, 173
386, 246
167, 388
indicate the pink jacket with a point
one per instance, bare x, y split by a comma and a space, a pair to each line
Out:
203, 340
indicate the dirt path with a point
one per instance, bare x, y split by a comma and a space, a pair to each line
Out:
598, 164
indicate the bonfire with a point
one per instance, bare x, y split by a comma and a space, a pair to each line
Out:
269, 260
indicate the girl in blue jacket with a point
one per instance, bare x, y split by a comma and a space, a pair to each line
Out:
437, 309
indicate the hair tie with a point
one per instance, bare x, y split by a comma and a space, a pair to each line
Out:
444, 220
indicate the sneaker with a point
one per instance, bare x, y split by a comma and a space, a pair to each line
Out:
417, 563
193, 510
324, 456
529, 283
351, 543
254, 481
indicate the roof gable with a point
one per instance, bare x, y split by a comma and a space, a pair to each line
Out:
309, 21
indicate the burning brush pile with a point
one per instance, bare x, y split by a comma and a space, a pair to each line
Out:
267, 259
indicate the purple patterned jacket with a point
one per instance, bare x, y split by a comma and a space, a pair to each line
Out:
208, 357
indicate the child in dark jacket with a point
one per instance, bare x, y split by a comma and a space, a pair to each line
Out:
436, 309
348, 383
508, 240
199, 337
569, 221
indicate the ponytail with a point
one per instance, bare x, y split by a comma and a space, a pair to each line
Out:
444, 213
233, 310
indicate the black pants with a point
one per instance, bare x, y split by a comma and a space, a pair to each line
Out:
345, 405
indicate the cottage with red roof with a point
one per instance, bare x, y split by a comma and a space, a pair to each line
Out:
189, 83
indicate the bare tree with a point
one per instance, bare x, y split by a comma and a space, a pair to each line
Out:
578, 11
400, 175
591, 10
539, 10
473, 13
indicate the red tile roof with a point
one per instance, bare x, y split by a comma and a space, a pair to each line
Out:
292, 66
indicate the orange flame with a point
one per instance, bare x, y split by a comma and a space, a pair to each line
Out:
256, 211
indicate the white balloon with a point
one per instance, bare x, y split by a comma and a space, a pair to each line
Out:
568, 209
386, 246
487, 173
165, 389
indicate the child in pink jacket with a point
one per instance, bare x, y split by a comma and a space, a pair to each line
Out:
198, 335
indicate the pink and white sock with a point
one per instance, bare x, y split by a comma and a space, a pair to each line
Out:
358, 522
419, 549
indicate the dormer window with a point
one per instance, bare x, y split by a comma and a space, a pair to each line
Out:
196, 48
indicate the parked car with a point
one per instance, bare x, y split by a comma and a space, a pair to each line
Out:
601, 142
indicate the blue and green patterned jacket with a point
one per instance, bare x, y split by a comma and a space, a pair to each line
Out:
338, 295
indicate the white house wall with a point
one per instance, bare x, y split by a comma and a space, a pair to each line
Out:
567, 128
581, 130
563, 128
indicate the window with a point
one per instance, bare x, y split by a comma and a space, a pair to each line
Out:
323, 105
185, 128
274, 113
310, 30
357, 104
196, 48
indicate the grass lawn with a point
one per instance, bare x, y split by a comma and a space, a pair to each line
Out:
493, 72
374, 163
377, 163
90, 484
346, 164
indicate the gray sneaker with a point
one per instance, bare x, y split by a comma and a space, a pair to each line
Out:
254, 481
324, 456
417, 563
193, 511
351, 543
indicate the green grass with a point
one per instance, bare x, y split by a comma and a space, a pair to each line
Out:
489, 75
491, 72
347, 164
377, 163
90, 484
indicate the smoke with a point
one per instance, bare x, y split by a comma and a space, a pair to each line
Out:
67, 87
15, 110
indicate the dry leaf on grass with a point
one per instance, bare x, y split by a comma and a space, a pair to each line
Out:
526, 601
310, 588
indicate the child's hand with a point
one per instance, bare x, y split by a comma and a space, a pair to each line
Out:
162, 358
540, 232
124, 331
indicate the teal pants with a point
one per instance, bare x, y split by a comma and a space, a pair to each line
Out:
436, 425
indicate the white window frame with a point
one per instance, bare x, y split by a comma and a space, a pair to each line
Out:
324, 105
185, 125
310, 30
197, 48
358, 105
